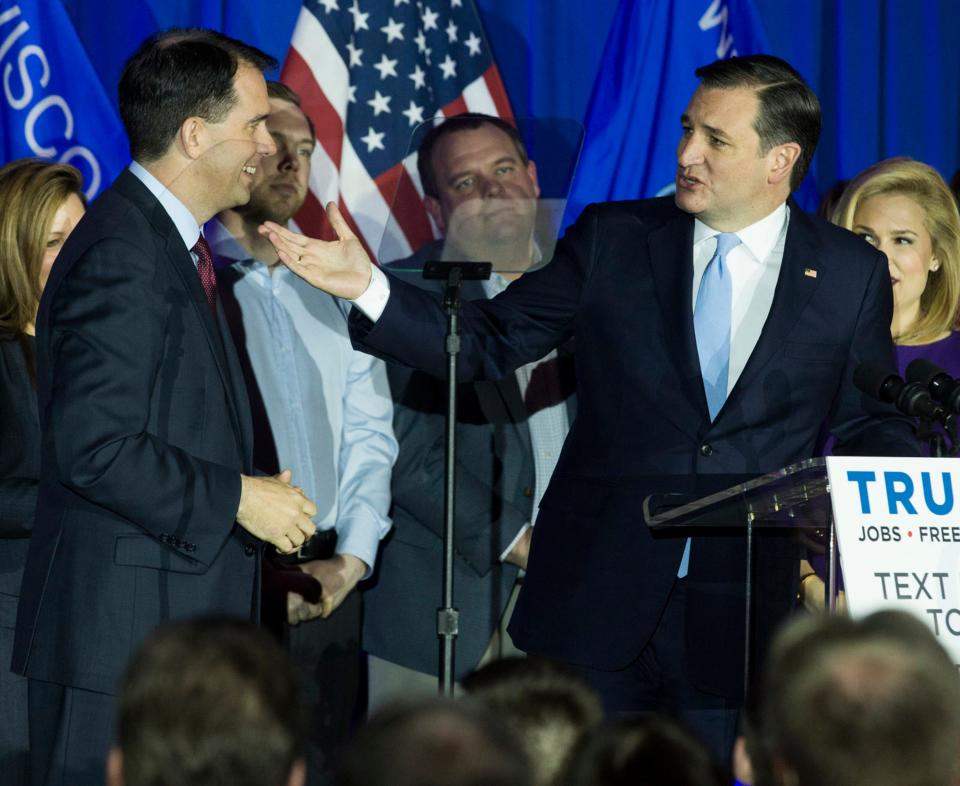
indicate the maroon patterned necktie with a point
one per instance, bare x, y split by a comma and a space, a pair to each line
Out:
205, 269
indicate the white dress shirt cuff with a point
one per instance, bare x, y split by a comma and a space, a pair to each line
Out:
374, 298
508, 549
361, 539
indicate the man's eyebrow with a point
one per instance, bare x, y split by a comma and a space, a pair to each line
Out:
455, 176
716, 131
504, 159
685, 120
306, 140
258, 119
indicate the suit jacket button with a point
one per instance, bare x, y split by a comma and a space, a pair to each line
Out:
249, 549
527, 491
706, 449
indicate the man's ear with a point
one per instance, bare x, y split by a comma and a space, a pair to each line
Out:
742, 766
433, 208
298, 773
192, 137
532, 174
115, 767
782, 159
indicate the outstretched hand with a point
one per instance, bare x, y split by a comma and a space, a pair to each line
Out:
340, 267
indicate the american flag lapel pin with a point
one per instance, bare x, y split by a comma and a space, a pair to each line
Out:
809, 272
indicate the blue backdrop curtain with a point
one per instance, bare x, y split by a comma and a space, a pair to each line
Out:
886, 70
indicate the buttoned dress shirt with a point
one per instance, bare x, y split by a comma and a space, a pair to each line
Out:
329, 406
754, 267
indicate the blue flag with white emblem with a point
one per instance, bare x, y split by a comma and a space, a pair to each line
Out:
644, 84
53, 104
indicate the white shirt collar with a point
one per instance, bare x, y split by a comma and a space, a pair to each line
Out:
759, 238
181, 216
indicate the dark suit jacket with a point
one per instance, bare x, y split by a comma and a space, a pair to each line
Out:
145, 431
19, 469
621, 282
495, 482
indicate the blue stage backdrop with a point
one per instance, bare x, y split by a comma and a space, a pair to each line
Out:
644, 83
886, 70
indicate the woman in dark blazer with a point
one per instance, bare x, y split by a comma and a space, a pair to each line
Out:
42, 202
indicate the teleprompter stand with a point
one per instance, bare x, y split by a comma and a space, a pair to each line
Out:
448, 617
795, 497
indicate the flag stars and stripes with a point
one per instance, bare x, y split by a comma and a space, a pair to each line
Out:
419, 77
359, 19
473, 43
386, 67
414, 114
393, 30
449, 67
373, 140
421, 41
356, 55
440, 64
379, 103
429, 19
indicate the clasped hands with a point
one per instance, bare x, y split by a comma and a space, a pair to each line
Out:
275, 511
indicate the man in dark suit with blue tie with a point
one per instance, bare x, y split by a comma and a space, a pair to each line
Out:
716, 332
148, 510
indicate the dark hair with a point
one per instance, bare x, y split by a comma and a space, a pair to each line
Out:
433, 742
282, 92
830, 199
873, 701
547, 705
789, 110
209, 702
176, 74
646, 752
463, 122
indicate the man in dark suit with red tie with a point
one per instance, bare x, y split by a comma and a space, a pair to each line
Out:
148, 510
716, 332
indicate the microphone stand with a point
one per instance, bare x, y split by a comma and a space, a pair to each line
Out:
932, 437
448, 617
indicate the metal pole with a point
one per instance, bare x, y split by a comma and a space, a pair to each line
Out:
448, 618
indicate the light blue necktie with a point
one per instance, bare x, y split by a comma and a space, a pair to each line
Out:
711, 324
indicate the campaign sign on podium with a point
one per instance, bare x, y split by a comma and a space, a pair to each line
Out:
898, 525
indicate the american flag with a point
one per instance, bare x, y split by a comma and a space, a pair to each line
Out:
369, 73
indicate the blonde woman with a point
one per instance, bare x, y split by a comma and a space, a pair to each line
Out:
904, 208
42, 202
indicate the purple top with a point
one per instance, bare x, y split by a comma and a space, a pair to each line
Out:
944, 353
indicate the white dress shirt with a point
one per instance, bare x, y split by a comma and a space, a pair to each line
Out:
329, 405
754, 268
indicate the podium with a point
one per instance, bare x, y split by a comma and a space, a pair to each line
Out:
796, 497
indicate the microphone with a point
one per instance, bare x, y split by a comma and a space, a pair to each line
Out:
943, 388
910, 398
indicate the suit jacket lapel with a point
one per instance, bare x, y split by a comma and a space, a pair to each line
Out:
181, 261
795, 287
670, 251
